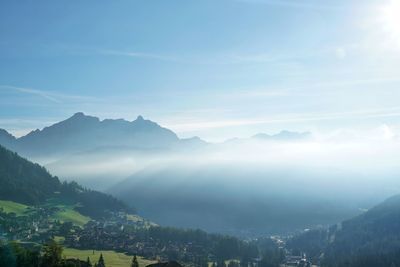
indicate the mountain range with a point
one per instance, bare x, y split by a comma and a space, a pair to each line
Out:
186, 182
82, 132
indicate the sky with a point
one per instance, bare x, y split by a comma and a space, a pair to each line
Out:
211, 68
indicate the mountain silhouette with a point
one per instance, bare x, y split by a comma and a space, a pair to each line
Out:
82, 132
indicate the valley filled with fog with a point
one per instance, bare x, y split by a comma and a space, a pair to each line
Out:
264, 184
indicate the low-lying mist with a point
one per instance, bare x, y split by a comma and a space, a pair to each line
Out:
248, 186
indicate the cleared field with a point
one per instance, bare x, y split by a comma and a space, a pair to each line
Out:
137, 218
10, 206
134, 218
68, 214
111, 258
59, 239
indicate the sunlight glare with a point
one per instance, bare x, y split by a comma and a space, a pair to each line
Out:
390, 18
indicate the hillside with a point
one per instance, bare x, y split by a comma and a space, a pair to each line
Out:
6, 139
28, 183
23, 181
370, 239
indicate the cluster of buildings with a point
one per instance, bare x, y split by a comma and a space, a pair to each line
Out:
35, 225
125, 237
297, 261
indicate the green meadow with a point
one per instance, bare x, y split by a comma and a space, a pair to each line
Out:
111, 258
68, 214
10, 206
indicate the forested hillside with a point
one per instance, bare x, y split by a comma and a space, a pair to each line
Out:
25, 182
371, 239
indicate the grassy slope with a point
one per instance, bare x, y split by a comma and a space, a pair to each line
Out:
10, 206
68, 214
111, 258
136, 218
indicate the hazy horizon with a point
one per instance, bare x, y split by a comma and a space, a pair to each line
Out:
205, 68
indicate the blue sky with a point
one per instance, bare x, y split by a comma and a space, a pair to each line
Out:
216, 69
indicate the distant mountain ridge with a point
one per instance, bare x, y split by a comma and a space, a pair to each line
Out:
6, 138
283, 136
82, 132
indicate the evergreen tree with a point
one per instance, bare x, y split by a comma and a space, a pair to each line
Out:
135, 262
7, 256
101, 263
221, 263
88, 263
52, 254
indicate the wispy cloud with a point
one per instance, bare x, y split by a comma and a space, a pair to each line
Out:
293, 4
84, 50
359, 114
137, 55
43, 94
51, 96
261, 58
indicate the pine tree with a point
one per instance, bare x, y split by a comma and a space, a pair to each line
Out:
88, 263
221, 263
52, 254
101, 263
233, 264
135, 263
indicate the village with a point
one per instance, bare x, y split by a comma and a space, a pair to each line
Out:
127, 236
36, 225
121, 233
